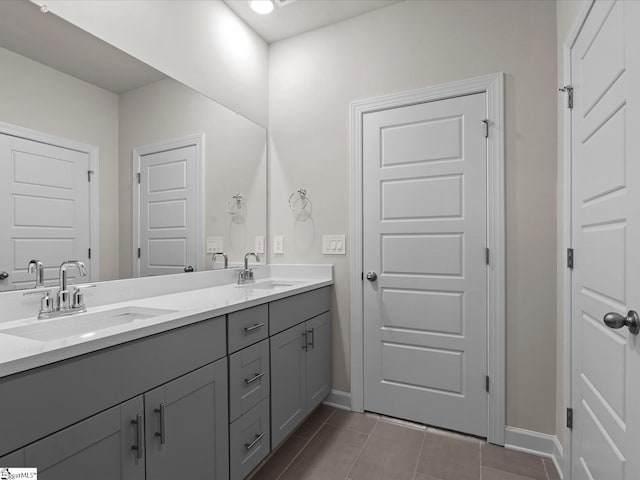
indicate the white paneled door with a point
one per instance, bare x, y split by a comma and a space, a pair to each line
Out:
424, 254
605, 366
44, 210
167, 223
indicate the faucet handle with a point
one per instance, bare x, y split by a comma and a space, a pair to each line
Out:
78, 296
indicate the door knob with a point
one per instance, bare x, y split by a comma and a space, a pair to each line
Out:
188, 269
372, 276
615, 320
4, 275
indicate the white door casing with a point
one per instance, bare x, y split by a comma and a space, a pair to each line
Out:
492, 86
605, 219
50, 209
425, 333
168, 207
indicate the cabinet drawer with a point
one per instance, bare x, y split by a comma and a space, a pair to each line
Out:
290, 311
249, 440
249, 378
247, 327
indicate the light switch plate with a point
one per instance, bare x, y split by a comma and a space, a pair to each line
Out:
278, 245
215, 244
259, 244
334, 245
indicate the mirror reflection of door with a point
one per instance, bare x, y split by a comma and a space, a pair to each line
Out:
168, 208
45, 205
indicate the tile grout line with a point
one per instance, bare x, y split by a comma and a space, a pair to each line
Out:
480, 458
363, 447
424, 439
304, 446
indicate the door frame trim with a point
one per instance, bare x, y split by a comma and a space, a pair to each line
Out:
93, 152
566, 227
196, 140
493, 86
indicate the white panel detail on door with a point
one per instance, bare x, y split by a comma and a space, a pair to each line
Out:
168, 211
605, 219
424, 230
46, 207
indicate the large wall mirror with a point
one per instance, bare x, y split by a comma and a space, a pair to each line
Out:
179, 175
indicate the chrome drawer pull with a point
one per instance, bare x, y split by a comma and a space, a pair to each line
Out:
311, 344
138, 446
257, 376
253, 327
249, 446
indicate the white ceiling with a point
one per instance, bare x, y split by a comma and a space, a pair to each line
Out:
48, 39
300, 16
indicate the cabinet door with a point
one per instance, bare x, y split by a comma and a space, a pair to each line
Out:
288, 385
99, 448
187, 426
15, 459
318, 359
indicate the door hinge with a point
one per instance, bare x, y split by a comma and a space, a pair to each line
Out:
570, 418
89, 254
570, 258
138, 176
486, 127
138, 252
89, 173
486, 383
362, 276
487, 254
569, 91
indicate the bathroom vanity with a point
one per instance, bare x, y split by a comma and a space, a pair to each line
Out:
203, 382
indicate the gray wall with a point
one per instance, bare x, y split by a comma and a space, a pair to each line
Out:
38, 97
201, 44
313, 78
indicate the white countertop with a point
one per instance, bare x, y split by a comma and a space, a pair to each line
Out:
18, 354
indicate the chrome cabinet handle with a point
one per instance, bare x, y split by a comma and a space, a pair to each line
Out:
615, 320
160, 434
312, 338
372, 276
138, 445
305, 345
249, 446
4, 275
253, 327
256, 377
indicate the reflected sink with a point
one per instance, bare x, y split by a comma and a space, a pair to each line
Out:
84, 325
269, 285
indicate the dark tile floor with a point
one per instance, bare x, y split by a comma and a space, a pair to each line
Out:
339, 445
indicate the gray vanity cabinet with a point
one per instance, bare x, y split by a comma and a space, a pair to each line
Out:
186, 426
288, 382
99, 448
318, 355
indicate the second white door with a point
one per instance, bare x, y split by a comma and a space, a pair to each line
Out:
167, 212
425, 313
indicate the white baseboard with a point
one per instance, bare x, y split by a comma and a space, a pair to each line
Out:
338, 399
537, 443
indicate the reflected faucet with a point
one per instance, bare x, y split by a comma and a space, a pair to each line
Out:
213, 260
35, 266
246, 274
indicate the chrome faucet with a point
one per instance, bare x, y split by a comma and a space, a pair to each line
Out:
63, 303
213, 260
35, 266
63, 293
246, 274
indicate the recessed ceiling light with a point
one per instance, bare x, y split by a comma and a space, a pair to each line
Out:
262, 7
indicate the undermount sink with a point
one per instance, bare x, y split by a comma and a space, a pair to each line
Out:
83, 325
268, 285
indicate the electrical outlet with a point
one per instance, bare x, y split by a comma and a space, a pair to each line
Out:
259, 244
278, 245
334, 245
215, 244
